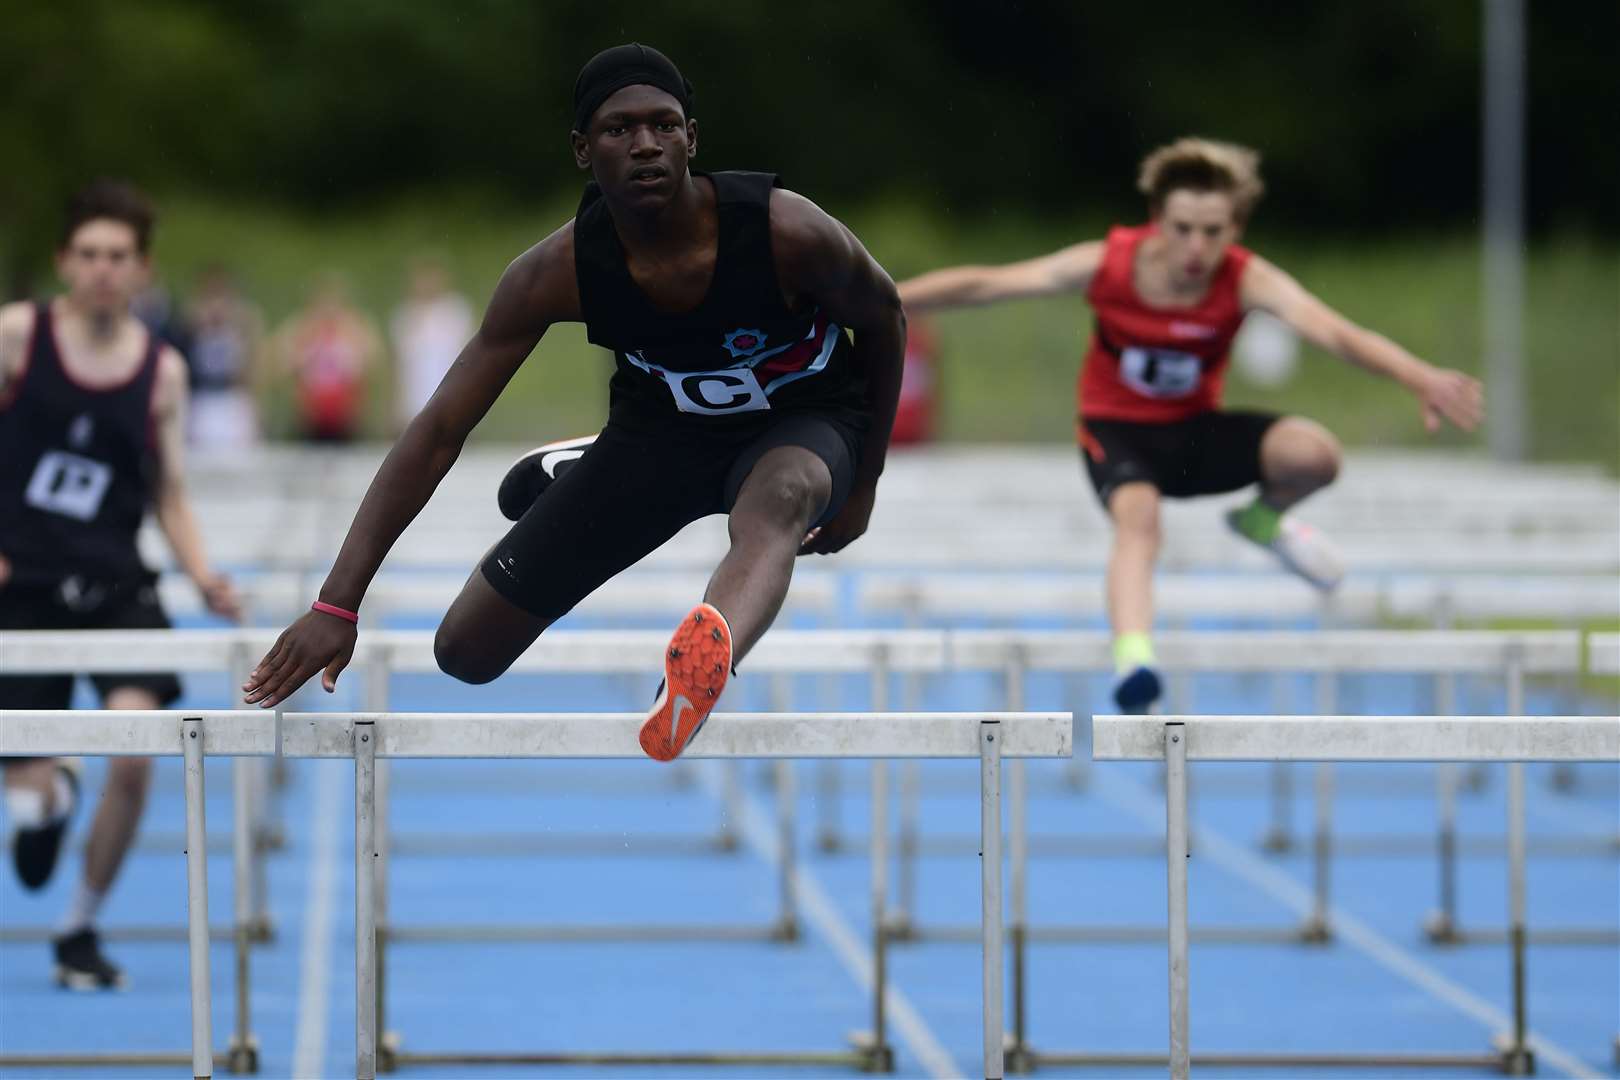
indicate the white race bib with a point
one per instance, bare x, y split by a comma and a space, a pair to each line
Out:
1160, 373
716, 393
68, 484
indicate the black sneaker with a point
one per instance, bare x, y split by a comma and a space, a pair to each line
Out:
34, 851
532, 473
81, 966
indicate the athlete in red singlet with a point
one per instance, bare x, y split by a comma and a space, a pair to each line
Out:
1169, 297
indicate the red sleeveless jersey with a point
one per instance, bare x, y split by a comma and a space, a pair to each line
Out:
1151, 364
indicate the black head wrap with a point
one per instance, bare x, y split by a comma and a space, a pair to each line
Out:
614, 69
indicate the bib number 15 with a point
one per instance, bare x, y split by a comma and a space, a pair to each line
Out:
1160, 373
69, 485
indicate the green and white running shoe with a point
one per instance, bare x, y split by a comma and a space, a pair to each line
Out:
1301, 548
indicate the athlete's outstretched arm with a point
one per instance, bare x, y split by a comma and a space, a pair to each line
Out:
1068, 270
1442, 392
174, 514
539, 288
819, 260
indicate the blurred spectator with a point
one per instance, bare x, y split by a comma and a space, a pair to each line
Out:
330, 349
227, 339
428, 332
154, 305
914, 416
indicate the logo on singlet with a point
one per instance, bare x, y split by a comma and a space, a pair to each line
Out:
743, 342
80, 431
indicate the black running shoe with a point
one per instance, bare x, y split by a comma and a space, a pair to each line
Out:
532, 473
1136, 692
81, 966
34, 852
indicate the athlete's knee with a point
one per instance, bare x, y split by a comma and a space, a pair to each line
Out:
1135, 510
459, 657
790, 498
1303, 454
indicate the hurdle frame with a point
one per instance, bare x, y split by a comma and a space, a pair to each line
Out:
987, 736
191, 735
780, 654
1177, 739
230, 651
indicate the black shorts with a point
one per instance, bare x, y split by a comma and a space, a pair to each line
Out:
637, 486
78, 604
1206, 454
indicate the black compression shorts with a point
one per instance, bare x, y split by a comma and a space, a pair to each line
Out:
80, 604
1207, 454
634, 489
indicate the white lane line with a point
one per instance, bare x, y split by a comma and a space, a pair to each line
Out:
315, 961
1240, 861
823, 914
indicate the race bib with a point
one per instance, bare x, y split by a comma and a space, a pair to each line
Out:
716, 393
69, 485
1160, 373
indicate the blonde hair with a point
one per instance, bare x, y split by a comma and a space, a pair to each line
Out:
1194, 164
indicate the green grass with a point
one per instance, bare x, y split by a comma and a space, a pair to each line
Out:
1008, 372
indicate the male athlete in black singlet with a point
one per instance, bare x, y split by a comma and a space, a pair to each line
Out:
726, 301
92, 431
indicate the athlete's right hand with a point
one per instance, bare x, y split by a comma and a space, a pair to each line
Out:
313, 643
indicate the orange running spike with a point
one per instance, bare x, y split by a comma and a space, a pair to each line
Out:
696, 666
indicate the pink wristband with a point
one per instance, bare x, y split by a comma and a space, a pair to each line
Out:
333, 609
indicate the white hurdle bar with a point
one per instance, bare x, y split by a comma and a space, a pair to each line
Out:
191, 734
1176, 740
366, 737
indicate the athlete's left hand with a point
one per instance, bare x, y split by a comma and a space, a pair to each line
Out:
844, 528
220, 595
1451, 395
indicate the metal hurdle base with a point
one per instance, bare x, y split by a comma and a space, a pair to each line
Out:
1440, 929
865, 1055
901, 930
1506, 1060
240, 1062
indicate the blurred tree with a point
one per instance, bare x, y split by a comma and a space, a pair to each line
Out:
1367, 113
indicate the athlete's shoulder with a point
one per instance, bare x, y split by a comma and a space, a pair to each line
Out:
539, 286
803, 228
16, 330
17, 318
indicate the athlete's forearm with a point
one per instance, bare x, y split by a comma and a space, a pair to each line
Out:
404, 482
880, 351
179, 525
958, 286
1378, 354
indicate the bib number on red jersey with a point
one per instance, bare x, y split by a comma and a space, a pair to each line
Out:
1160, 373
69, 485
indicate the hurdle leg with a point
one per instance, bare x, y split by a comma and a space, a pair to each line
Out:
903, 922
1316, 929
243, 1050
828, 789
365, 911
1018, 1053
787, 921
1280, 836
1517, 1057
1441, 926
990, 868
1175, 835
202, 1019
